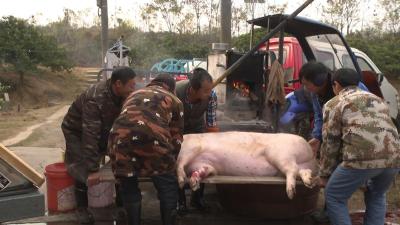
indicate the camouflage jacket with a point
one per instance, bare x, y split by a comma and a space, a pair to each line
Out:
89, 119
358, 133
146, 138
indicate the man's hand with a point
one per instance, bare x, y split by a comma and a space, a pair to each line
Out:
93, 179
322, 182
212, 129
315, 144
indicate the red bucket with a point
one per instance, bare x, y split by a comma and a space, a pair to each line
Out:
60, 189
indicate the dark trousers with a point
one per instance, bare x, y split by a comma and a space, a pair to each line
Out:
167, 190
81, 194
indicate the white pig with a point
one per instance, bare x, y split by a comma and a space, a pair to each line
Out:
246, 154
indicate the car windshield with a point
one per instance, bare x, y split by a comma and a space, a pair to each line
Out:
330, 50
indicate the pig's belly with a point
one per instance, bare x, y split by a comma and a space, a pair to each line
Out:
237, 164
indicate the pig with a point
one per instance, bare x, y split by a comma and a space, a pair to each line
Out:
246, 154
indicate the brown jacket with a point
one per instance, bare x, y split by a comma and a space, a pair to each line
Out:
146, 138
86, 128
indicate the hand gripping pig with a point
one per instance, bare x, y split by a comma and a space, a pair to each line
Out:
246, 154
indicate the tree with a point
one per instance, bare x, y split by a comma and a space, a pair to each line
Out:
199, 7
168, 9
382, 48
185, 24
148, 14
251, 6
242, 42
25, 48
238, 17
392, 15
274, 9
213, 12
342, 14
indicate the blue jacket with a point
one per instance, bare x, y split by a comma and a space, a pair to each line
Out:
317, 108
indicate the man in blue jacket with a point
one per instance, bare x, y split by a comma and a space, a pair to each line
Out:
316, 78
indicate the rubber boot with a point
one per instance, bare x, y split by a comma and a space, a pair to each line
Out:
133, 213
118, 213
197, 199
82, 212
182, 209
168, 216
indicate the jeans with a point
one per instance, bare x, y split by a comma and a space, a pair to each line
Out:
345, 181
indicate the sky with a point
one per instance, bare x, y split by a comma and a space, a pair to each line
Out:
46, 11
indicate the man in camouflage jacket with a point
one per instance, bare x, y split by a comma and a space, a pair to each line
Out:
145, 140
86, 128
360, 146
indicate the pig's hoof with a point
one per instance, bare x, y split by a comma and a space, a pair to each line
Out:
181, 182
291, 191
306, 176
194, 184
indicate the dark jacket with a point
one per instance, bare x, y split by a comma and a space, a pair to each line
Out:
86, 128
146, 137
194, 113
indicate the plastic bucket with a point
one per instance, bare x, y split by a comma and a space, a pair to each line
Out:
60, 189
101, 195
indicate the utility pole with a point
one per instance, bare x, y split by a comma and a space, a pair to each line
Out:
226, 20
102, 4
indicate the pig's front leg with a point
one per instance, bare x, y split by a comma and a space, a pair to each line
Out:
200, 174
289, 167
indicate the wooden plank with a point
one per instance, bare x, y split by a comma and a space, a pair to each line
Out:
106, 175
99, 214
245, 180
17, 163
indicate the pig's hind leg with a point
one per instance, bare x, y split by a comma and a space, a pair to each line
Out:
306, 172
306, 177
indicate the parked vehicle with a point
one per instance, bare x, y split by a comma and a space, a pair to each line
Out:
179, 68
334, 57
242, 94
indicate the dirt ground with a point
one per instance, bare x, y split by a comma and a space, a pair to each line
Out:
42, 94
48, 134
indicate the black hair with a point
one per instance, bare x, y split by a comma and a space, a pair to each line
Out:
198, 77
346, 77
315, 72
123, 73
164, 79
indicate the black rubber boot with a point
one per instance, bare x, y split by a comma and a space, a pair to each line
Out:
119, 215
133, 213
84, 216
182, 209
82, 212
197, 199
168, 216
